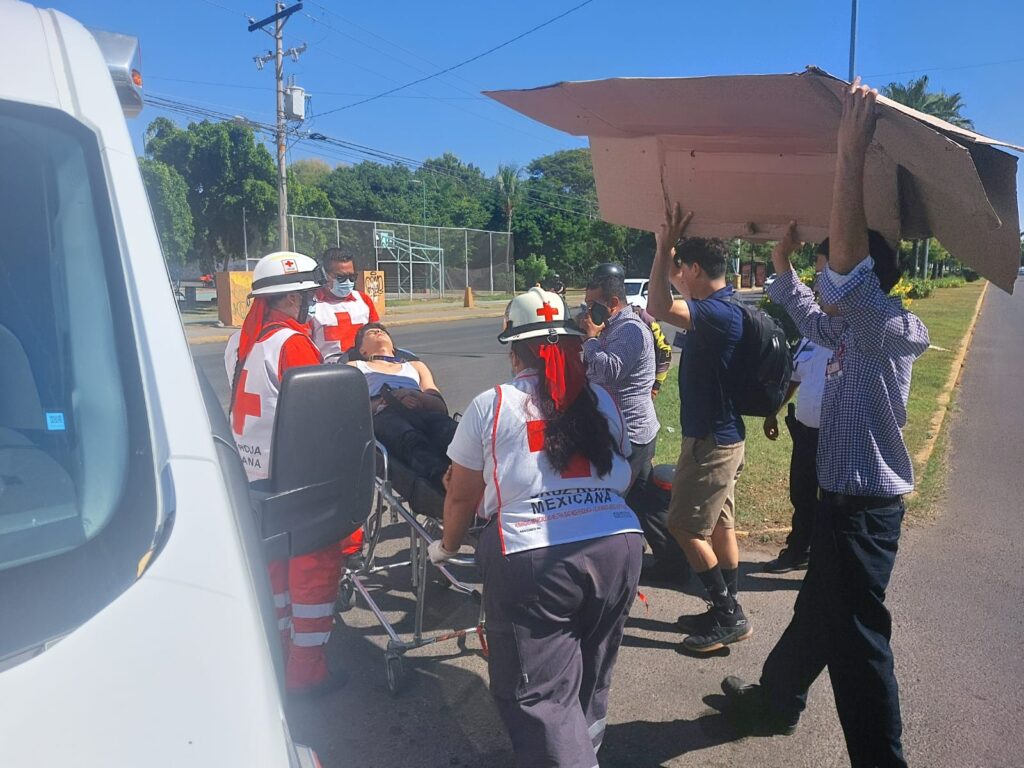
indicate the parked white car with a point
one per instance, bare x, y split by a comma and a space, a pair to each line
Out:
636, 291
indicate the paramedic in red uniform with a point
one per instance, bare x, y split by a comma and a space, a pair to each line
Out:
340, 309
274, 338
560, 554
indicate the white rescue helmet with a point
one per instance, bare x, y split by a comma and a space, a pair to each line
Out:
537, 313
285, 271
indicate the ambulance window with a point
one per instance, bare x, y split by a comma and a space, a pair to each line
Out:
77, 488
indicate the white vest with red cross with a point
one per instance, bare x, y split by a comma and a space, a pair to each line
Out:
259, 384
336, 322
536, 505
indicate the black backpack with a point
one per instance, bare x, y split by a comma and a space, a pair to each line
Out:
757, 378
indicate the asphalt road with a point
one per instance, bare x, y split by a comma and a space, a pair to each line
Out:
955, 598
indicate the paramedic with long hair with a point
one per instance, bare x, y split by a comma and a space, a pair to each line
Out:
560, 554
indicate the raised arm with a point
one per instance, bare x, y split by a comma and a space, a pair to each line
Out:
660, 302
797, 299
848, 227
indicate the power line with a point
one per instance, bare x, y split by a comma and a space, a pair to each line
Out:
367, 97
235, 11
318, 91
946, 69
464, 62
331, 29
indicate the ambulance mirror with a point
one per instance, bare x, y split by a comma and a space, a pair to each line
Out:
323, 466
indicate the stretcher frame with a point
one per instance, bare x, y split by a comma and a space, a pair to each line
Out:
388, 501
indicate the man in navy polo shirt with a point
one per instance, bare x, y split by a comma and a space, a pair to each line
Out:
701, 513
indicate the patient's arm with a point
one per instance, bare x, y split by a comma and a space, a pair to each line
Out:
426, 377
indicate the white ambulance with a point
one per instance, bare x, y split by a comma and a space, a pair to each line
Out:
136, 622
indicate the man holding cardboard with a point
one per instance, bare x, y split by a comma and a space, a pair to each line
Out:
840, 620
701, 514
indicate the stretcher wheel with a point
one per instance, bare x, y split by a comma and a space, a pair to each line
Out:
394, 668
346, 598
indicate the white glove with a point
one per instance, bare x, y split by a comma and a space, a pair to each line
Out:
438, 554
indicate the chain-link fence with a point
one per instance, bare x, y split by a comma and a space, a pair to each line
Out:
417, 261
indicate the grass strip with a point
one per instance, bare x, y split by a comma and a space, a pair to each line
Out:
762, 496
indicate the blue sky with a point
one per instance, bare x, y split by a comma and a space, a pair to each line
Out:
359, 49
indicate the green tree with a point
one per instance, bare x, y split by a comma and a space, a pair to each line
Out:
915, 94
508, 189
168, 197
225, 170
509, 192
557, 219
531, 271
371, 191
310, 236
457, 193
311, 171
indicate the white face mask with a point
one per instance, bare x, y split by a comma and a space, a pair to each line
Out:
342, 288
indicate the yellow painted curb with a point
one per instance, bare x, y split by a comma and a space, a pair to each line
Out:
923, 456
222, 338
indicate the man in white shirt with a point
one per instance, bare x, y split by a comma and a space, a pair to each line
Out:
802, 420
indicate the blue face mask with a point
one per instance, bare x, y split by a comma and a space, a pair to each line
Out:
342, 288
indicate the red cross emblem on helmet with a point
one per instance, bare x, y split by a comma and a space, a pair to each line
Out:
289, 266
548, 312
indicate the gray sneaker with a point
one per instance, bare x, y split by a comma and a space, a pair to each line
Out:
725, 629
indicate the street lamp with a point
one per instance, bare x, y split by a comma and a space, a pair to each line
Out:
424, 188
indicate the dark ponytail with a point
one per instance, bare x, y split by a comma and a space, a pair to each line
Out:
581, 427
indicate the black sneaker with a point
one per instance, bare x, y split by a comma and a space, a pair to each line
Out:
725, 629
749, 710
786, 561
697, 623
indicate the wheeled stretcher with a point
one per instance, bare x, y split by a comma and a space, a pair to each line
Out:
403, 498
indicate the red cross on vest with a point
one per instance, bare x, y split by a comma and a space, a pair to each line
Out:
246, 404
579, 465
547, 312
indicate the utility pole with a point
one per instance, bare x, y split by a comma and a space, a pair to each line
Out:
853, 40
279, 18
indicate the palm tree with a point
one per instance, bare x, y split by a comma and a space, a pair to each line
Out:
916, 95
509, 192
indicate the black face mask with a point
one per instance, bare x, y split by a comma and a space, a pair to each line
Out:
599, 313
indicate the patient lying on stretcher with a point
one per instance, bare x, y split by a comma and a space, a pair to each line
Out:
410, 416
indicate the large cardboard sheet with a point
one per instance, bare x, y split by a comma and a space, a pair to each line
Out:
749, 153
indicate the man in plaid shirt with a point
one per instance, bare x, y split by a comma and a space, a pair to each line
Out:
840, 620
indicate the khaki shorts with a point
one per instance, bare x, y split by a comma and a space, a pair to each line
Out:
704, 487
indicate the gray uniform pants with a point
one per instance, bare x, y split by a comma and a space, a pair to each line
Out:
555, 618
